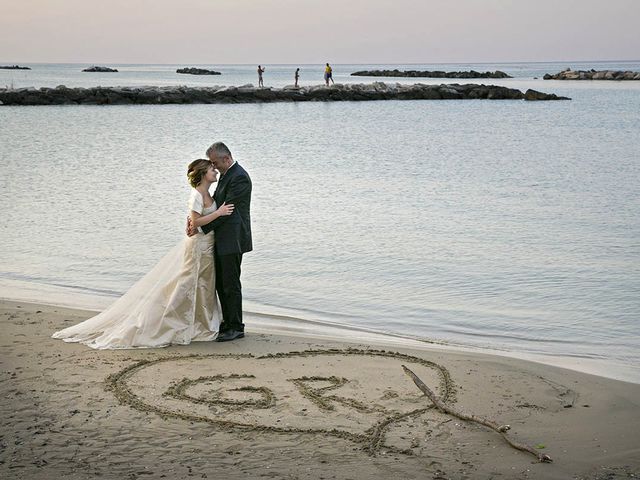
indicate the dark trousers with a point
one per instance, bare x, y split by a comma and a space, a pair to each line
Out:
229, 290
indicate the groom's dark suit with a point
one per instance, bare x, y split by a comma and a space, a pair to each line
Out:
233, 238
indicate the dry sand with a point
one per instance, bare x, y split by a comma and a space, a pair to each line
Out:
290, 407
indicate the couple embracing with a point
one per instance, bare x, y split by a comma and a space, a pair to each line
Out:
194, 293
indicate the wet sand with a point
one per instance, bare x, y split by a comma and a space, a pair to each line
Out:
291, 407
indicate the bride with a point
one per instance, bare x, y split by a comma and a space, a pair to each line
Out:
175, 303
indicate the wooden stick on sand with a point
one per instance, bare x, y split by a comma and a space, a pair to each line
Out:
501, 429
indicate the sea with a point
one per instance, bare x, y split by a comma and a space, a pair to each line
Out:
505, 227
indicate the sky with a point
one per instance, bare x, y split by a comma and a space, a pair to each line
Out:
315, 31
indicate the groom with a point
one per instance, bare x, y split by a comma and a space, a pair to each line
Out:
233, 238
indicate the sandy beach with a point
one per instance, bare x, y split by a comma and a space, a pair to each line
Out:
292, 407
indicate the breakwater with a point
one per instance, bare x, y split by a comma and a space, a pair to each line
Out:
430, 74
593, 75
62, 95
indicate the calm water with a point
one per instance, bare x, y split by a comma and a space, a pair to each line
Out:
497, 224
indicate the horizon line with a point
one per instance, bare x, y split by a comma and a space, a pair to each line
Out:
13, 62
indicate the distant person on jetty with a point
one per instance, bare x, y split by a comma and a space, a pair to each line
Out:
328, 74
260, 72
297, 76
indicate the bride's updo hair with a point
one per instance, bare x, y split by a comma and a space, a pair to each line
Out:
197, 170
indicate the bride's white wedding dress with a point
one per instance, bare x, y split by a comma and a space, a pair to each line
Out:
175, 303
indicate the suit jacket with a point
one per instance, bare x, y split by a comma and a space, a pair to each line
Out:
233, 232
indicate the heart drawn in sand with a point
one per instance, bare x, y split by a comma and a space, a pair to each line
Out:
321, 392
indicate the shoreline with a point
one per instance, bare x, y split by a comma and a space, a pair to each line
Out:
284, 324
294, 406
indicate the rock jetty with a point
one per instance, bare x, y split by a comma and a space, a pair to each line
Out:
430, 74
249, 94
569, 74
100, 69
197, 71
13, 67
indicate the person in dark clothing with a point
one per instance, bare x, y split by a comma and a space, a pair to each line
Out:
232, 237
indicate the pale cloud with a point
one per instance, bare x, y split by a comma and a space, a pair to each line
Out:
309, 31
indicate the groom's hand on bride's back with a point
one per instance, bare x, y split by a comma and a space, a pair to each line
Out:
226, 210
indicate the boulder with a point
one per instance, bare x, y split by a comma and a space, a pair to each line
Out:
534, 95
447, 92
504, 93
260, 94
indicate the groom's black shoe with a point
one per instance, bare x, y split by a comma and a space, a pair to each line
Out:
230, 335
